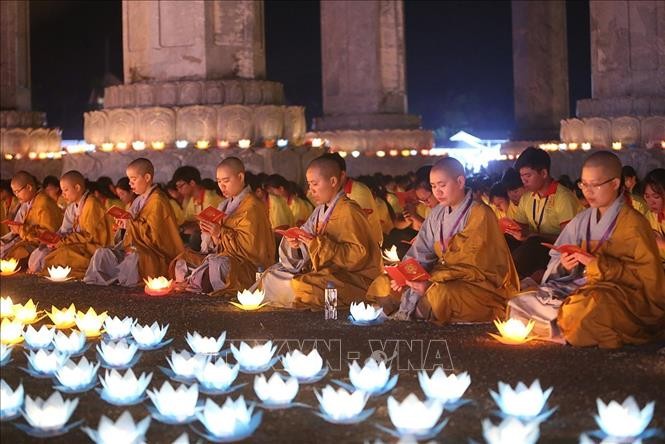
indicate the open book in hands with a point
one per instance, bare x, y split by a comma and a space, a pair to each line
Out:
212, 215
407, 270
507, 224
568, 249
294, 233
118, 213
49, 237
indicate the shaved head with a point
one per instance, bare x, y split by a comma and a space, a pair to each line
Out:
74, 178
450, 166
232, 163
606, 160
327, 166
142, 166
23, 178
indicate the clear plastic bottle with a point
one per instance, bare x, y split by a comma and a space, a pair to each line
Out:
259, 272
330, 297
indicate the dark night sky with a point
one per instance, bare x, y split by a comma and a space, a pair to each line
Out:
459, 62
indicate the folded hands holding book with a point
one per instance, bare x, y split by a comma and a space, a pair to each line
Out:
409, 273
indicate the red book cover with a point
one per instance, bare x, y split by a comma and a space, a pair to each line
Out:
568, 249
49, 238
368, 211
118, 213
11, 223
211, 214
293, 233
508, 224
408, 270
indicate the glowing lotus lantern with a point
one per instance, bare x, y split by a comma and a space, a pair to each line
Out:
362, 312
249, 300
122, 430
159, 286
10, 400
8, 266
231, 422
124, 389
373, 378
59, 274
341, 406
303, 366
412, 416
218, 375
6, 307
45, 362
117, 354
64, 318
623, 422
446, 389
90, 323
11, 331
513, 331
510, 430
523, 402
276, 390
50, 414
391, 255
41, 338
175, 406
71, 344
254, 358
117, 328
147, 336
75, 376
186, 365
205, 345
25, 313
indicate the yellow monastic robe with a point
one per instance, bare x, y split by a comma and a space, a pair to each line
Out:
7, 211
394, 202
43, 215
362, 195
300, 208
177, 212
154, 235
279, 213
76, 249
384, 216
637, 202
659, 227
623, 301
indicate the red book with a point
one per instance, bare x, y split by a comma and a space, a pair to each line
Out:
11, 223
408, 270
507, 224
211, 214
568, 249
293, 233
118, 213
368, 211
49, 238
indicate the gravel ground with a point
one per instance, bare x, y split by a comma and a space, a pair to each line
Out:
578, 376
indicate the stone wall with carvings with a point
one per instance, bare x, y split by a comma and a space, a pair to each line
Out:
22, 141
601, 131
374, 140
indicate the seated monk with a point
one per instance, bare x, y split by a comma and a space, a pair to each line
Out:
37, 213
85, 228
338, 247
610, 291
654, 195
233, 248
461, 245
151, 239
8, 205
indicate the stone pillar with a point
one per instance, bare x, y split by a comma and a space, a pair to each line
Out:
167, 40
540, 68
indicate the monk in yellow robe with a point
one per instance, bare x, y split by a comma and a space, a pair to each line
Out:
8, 205
610, 292
462, 247
234, 248
300, 207
36, 214
336, 247
85, 228
654, 195
151, 239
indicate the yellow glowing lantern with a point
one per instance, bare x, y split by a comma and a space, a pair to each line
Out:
138, 145
65, 318
586, 146
107, 147
122, 146
159, 286
90, 323
157, 145
9, 156
248, 300
202, 144
662, 144
32, 155
58, 273
11, 332
424, 152
513, 331
223, 143
6, 307
406, 153
616, 146
393, 153
572, 146
8, 266
25, 313
244, 143
342, 154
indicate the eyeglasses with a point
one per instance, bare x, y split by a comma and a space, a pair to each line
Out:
594, 186
16, 192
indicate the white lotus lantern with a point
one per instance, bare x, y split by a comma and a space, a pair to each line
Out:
117, 328
8, 266
218, 375
205, 344
46, 362
11, 331
117, 354
372, 378
234, 420
623, 421
25, 313
90, 323
175, 405
185, 364
124, 389
71, 344
365, 312
64, 318
276, 390
446, 389
50, 414
6, 307
5, 352
41, 338
522, 402
159, 286
391, 255
59, 274
250, 300
253, 358
511, 430
341, 405
303, 366
10, 400
413, 416
513, 331
149, 335
124, 430
76, 376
